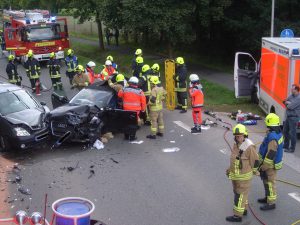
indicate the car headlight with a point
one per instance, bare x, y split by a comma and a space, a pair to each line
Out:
21, 132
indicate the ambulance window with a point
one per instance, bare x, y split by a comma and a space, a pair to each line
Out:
246, 63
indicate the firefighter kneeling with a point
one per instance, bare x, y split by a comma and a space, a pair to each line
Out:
197, 102
156, 98
243, 163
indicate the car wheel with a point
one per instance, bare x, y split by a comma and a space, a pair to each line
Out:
4, 144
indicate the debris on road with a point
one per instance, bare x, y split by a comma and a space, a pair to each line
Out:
136, 142
24, 191
70, 168
98, 144
168, 150
92, 173
114, 160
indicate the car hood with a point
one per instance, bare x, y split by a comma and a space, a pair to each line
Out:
63, 110
30, 117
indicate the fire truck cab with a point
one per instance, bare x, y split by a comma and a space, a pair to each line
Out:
269, 81
34, 30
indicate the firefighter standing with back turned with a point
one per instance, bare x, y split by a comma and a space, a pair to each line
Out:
71, 63
243, 163
180, 84
12, 73
54, 71
155, 103
197, 98
33, 70
270, 155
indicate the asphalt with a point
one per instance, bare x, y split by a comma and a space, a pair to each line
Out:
140, 184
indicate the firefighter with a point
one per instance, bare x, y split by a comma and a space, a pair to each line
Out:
90, 71
134, 64
108, 71
118, 86
146, 87
114, 65
197, 99
138, 66
71, 63
12, 73
155, 69
81, 79
54, 71
156, 98
133, 99
33, 70
180, 84
244, 163
270, 155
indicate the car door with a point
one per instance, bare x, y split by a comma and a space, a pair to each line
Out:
245, 70
118, 120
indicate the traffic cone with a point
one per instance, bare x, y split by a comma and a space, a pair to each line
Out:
37, 88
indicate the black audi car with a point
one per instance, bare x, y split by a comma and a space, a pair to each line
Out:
90, 113
22, 118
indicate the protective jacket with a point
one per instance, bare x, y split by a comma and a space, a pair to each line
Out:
80, 80
144, 82
12, 73
243, 161
133, 98
71, 62
196, 96
180, 78
33, 69
54, 68
157, 96
272, 158
107, 72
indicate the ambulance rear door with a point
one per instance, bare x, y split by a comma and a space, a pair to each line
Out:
245, 72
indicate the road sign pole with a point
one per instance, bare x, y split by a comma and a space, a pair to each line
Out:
272, 18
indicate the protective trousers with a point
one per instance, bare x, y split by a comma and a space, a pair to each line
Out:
56, 83
147, 116
182, 99
197, 116
269, 178
70, 75
241, 190
157, 119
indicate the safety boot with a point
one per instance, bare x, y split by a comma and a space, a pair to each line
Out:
132, 137
195, 130
262, 200
268, 207
234, 218
150, 136
159, 134
183, 111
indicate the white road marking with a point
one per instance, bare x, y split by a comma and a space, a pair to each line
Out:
168, 150
172, 141
224, 151
182, 125
295, 195
136, 142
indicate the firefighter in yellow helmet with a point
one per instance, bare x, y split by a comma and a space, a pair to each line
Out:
155, 69
81, 79
180, 84
54, 71
244, 163
71, 63
270, 155
12, 73
33, 70
118, 86
136, 64
157, 96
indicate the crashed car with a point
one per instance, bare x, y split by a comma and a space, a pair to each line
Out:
22, 118
89, 114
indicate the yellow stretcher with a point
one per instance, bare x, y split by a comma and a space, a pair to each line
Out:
170, 84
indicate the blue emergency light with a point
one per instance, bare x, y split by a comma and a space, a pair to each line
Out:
295, 51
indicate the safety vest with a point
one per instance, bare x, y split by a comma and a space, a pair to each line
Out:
12, 73
107, 72
196, 96
158, 105
72, 63
133, 98
91, 74
32, 68
263, 149
54, 68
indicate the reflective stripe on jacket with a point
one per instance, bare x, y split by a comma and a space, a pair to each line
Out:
133, 98
33, 68
54, 68
196, 96
107, 72
156, 98
71, 63
180, 78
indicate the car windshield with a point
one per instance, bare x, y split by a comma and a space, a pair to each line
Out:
40, 33
16, 101
92, 97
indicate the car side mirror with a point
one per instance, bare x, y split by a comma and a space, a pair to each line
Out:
43, 103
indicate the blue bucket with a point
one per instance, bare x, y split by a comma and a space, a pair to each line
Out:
73, 211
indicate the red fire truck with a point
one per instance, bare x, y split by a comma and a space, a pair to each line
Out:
34, 30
